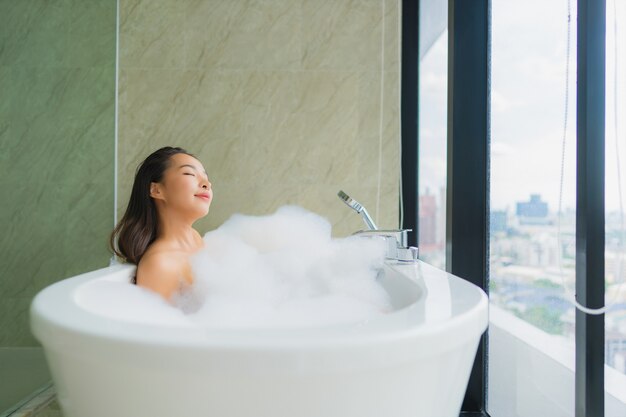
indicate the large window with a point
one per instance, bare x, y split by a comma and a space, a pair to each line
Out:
532, 243
533, 210
432, 155
545, 355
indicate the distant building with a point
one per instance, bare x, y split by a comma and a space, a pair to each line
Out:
615, 350
533, 208
498, 221
441, 219
427, 220
534, 211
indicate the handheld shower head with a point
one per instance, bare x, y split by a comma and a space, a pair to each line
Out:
356, 206
350, 202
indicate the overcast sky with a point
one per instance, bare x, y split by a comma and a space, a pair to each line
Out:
529, 45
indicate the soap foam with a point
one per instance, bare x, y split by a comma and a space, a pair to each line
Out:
282, 270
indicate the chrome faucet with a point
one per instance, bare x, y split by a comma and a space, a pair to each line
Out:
396, 240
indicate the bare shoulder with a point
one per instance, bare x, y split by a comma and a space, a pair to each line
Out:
160, 271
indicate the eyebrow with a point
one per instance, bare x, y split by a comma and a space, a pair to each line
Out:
189, 166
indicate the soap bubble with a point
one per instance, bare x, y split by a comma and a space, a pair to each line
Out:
281, 270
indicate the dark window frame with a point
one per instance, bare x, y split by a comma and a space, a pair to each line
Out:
467, 208
590, 226
409, 115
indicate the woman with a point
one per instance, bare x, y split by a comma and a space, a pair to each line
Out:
171, 191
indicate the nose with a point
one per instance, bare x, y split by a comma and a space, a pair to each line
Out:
206, 184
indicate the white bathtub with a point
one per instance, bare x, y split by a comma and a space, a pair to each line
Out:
412, 362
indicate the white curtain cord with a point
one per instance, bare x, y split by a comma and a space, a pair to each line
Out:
382, 109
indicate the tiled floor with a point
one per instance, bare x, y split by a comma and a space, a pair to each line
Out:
52, 410
43, 404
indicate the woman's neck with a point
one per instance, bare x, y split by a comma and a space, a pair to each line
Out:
179, 233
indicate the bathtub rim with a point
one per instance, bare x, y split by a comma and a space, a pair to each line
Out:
50, 324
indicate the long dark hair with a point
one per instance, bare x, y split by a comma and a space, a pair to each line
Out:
138, 227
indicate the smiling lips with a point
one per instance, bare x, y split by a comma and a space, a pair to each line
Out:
204, 196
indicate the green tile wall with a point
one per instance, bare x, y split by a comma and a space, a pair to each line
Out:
57, 95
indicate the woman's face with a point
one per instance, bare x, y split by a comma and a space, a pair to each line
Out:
185, 187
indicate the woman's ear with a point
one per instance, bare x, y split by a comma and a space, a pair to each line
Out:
155, 191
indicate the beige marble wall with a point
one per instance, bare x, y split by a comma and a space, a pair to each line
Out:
280, 100
57, 95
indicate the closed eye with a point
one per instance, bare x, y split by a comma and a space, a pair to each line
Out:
189, 173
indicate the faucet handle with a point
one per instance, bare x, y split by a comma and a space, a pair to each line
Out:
410, 254
396, 243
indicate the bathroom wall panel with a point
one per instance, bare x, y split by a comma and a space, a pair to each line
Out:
342, 35
309, 140
13, 311
30, 242
280, 100
7, 87
91, 35
23, 369
244, 35
153, 33
393, 30
27, 16
370, 127
57, 78
34, 33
